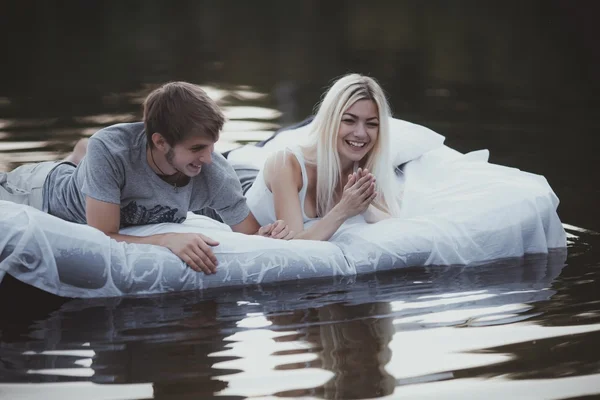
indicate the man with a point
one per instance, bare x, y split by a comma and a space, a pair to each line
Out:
147, 172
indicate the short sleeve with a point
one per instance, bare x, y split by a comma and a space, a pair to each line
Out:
103, 175
229, 201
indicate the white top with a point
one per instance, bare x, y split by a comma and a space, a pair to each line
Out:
260, 198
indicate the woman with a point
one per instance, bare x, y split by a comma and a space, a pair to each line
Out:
344, 170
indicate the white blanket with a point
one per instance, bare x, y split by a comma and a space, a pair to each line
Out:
456, 210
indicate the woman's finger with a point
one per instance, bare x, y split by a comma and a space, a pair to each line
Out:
368, 192
265, 230
283, 233
369, 200
278, 226
351, 180
364, 180
366, 189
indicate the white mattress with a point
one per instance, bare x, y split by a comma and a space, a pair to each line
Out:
456, 210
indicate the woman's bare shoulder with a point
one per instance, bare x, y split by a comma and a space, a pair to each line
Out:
283, 166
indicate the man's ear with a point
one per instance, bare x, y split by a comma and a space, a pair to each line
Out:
160, 142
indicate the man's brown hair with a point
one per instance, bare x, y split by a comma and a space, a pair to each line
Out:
178, 110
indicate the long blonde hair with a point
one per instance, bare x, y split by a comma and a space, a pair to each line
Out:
321, 149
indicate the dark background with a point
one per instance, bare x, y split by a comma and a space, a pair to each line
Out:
517, 77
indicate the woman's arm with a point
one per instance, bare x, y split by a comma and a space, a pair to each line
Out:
283, 175
358, 194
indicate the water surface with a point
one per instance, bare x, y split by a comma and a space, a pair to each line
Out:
517, 78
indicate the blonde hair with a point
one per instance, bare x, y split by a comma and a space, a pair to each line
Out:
321, 149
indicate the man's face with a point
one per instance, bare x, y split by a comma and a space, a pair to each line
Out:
189, 155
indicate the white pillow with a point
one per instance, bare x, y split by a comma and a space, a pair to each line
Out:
248, 155
289, 137
408, 141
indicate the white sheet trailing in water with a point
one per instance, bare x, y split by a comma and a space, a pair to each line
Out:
459, 209
456, 209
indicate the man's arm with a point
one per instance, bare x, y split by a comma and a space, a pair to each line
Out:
193, 248
250, 226
230, 203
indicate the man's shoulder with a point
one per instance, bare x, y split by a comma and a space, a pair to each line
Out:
219, 165
218, 173
119, 136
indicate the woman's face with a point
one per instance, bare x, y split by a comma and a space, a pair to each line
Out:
359, 129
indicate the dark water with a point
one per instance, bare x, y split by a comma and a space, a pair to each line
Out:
519, 78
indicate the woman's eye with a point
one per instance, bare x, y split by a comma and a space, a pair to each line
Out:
348, 121
373, 125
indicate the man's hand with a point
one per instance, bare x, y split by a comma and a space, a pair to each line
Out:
277, 230
194, 249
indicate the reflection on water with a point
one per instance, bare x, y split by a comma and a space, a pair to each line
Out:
517, 78
514, 324
245, 124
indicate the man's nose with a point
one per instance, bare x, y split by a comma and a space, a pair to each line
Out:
206, 158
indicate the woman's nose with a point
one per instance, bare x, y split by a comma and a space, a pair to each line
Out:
361, 130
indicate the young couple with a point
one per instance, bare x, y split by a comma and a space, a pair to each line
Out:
157, 170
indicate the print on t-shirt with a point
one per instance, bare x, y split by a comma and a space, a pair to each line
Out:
134, 214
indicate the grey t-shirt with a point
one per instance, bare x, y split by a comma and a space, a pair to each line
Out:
115, 170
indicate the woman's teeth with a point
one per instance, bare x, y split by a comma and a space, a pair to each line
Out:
355, 144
